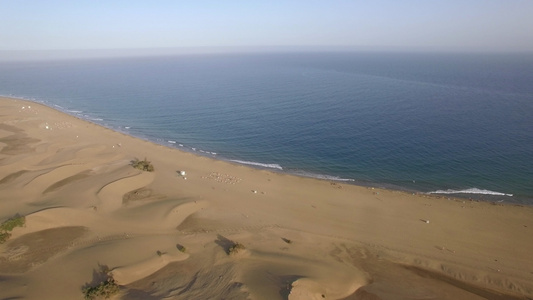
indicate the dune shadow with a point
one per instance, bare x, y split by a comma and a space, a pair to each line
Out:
66, 181
100, 274
18, 142
476, 290
189, 285
225, 243
12, 176
135, 294
286, 285
35, 248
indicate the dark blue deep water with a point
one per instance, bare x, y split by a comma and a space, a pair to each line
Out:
422, 122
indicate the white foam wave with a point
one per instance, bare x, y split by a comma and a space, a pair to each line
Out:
334, 178
252, 163
470, 191
172, 142
323, 177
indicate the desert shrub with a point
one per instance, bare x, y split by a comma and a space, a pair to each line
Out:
105, 290
9, 225
4, 236
236, 248
16, 221
143, 165
181, 248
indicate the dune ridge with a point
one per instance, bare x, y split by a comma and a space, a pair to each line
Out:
162, 235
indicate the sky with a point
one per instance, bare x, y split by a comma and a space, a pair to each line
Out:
452, 25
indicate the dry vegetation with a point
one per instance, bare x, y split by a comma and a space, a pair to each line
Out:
9, 225
104, 289
181, 248
143, 165
236, 248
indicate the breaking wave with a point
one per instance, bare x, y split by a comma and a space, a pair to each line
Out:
252, 163
470, 191
323, 177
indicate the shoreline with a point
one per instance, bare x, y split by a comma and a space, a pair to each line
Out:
170, 235
485, 195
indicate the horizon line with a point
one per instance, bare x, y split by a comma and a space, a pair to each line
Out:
62, 54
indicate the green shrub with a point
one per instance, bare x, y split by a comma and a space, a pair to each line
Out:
143, 165
105, 289
9, 225
4, 236
181, 248
236, 248
16, 221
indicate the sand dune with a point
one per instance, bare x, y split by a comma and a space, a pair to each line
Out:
166, 237
140, 270
111, 194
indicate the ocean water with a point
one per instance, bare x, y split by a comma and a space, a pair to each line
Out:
458, 124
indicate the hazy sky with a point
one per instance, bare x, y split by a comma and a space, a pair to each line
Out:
499, 25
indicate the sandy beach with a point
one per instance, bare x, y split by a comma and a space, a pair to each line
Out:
164, 235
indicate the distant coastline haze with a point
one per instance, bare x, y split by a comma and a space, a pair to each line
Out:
34, 28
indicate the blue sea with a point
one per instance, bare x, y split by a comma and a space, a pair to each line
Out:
450, 124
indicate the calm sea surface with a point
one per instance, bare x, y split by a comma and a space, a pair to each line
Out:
458, 124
